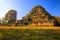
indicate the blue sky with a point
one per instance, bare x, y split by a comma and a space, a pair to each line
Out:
24, 6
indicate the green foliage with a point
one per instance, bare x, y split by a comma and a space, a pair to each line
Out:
20, 34
57, 19
10, 17
0, 21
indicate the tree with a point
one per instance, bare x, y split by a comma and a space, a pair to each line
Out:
58, 20
0, 22
10, 17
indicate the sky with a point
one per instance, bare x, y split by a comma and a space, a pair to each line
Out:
24, 6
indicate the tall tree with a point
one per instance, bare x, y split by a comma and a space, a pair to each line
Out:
0, 22
10, 17
58, 20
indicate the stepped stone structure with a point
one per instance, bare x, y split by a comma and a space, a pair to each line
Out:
38, 16
41, 17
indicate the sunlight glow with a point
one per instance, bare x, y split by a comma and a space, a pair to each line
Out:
4, 7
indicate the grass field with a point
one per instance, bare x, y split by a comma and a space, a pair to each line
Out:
29, 34
29, 27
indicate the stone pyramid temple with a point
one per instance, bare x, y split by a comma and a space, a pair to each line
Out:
38, 16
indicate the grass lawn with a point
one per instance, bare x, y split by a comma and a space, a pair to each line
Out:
29, 34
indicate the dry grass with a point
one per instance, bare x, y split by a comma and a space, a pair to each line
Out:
29, 27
